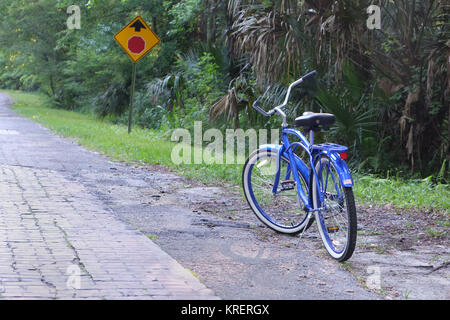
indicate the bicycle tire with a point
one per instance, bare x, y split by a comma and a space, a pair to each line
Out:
327, 220
277, 217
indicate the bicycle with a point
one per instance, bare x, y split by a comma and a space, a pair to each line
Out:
288, 195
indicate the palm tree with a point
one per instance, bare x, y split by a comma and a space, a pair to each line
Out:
408, 59
267, 35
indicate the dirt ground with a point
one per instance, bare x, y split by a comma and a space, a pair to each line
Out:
400, 254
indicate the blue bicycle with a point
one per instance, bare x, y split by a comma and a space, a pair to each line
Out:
289, 186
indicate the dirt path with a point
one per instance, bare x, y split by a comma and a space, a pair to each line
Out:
210, 231
213, 233
410, 248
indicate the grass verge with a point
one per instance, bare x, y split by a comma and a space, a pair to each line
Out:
144, 146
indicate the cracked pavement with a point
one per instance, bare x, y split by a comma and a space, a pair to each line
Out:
58, 240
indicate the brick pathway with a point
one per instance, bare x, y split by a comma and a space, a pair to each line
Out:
58, 241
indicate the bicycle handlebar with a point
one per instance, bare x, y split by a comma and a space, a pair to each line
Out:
309, 75
257, 108
295, 83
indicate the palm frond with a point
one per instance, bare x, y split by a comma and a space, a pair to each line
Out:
267, 36
227, 106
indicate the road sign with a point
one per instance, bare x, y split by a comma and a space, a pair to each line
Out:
136, 39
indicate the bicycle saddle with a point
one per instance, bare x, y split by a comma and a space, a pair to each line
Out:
315, 121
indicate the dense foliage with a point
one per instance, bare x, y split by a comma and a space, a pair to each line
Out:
389, 88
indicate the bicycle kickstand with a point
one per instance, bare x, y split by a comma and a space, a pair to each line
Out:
304, 229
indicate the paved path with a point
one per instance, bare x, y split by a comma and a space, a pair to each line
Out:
58, 241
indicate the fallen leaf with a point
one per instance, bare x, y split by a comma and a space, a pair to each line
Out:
349, 290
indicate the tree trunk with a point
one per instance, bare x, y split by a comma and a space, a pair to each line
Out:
211, 22
155, 26
52, 86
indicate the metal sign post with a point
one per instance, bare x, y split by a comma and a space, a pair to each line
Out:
133, 84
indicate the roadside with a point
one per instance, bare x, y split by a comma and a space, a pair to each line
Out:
211, 231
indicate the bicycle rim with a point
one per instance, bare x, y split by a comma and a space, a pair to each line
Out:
280, 210
337, 221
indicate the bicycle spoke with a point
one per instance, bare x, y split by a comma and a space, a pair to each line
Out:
282, 208
335, 223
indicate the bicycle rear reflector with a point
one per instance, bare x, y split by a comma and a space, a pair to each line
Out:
344, 155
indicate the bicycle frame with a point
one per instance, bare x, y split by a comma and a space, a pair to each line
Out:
297, 165
314, 151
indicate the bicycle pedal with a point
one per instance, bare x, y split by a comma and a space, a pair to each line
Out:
287, 185
333, 229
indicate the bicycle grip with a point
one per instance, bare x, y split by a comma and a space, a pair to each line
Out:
309, 75
255, 106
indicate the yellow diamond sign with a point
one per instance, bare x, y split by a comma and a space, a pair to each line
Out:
136, 39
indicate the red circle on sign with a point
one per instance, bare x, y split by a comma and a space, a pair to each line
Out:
136, 44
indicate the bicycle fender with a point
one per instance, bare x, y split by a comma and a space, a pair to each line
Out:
270, 147
342, 169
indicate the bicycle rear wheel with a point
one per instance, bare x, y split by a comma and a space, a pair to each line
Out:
280, 210
337, 221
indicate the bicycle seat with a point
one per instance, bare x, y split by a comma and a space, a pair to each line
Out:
315, 121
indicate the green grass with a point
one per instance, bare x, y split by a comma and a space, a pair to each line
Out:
405, 194
152, 236
142, 146
146, 146
435, 233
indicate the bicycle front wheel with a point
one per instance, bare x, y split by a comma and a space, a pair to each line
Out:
279, 210
337, 220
